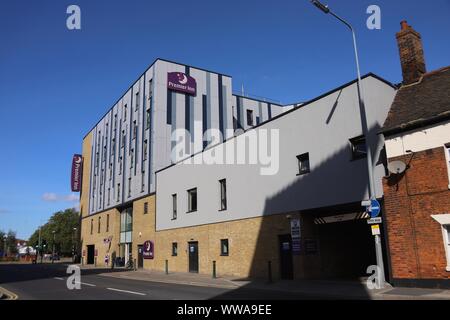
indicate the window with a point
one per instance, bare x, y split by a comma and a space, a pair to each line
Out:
145, 150
120, 164
135, 129
444, 221
223, 194
147, 119
145, 207
447, 155
358, 146
92, 226
174, 206
132, 158
129, 187
224, 249
99, 224
250, 117
303, 163
118, 191
150, 88
137, 101
125, 113
123, 138
192, 200
109, 196
174, 249
113, 148
107, 223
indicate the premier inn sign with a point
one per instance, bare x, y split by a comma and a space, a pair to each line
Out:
77, 169
178, 81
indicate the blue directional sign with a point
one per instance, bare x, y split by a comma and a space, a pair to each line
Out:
374, 209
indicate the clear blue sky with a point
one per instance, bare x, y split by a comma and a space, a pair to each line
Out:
55, 83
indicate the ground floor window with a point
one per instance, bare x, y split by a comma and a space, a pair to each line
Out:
444, 221
224, 249
174, 249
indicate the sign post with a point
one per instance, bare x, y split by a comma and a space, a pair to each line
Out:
295, 235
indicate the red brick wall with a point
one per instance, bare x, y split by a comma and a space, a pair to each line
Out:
416, 244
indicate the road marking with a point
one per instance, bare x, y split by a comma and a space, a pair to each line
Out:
86, 284
132, 292
58, 278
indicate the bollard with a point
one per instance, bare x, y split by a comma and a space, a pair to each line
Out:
167, 266
214, 270
95, 262
82, 261
135, 266
269, 263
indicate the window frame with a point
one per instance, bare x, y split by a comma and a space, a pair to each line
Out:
222, 252
223, 194
250, 123
145, 207
174, 206
301, 158
190, 202
447, 158
357, 155
174, 249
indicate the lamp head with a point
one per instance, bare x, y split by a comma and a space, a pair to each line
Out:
321, 6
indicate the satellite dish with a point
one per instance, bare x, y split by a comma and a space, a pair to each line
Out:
396, 167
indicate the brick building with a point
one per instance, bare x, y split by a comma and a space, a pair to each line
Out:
417, 199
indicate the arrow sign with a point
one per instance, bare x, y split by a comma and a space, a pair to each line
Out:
374, 209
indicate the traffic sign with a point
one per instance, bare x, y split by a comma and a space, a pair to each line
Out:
376, 220
374, 209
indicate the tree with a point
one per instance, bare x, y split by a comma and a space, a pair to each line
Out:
63, 223
11, 247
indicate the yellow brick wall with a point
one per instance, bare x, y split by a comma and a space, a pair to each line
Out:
84, 196
97, 238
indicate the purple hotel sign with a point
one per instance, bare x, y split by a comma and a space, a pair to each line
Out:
148, 250
77, 169
181, 82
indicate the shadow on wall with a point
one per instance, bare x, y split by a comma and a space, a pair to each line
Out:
328, 251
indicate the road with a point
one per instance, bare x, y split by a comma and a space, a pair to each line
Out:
47, 281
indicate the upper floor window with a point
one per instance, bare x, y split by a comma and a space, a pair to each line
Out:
303, 163
137, 101
223, 194
147, 122
107, 223
192, 200
99, 224
135, 129
125, 113
145, 150
174, 206
92, 226
132, 158
145, 207
150, 88
118, 192
250, 117
123, 138
358, 147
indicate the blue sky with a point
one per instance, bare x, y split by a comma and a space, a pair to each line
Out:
56, 83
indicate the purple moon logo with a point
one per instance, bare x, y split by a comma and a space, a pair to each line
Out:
178, 81
148, 250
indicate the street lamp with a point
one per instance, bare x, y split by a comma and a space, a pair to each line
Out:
379, 254
53, 251
73, 245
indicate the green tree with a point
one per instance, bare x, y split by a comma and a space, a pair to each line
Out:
10, 241
63, 224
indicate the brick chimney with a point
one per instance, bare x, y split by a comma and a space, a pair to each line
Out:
411, 53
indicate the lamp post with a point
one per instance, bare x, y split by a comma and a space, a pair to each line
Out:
39, 245
53, 250
379, 253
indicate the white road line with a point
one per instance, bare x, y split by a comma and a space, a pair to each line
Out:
86, 284
58, 278
132, 292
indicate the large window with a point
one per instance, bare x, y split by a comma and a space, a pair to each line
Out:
126, 225
223, 194
174, 206
192, 200
303, 163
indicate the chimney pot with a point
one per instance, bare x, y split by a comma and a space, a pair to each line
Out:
404, 25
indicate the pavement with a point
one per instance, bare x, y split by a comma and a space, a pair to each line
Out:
49, 281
